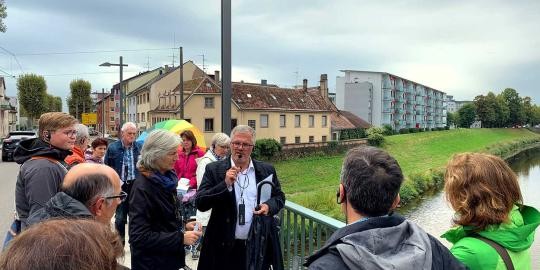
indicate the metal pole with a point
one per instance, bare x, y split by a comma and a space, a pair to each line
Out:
226, 84
121, 95
181, 83
103, 111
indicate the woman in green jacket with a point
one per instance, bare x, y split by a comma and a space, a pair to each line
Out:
485, 194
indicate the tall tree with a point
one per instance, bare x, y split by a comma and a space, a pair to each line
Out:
32, 93
490, 110
58, 103
466, 115
450, 119
79, 100
3, 15
528, 110
513, 101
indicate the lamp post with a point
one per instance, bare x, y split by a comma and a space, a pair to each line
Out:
121, 65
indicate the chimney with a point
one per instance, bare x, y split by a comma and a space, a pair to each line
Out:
166, 68
216, 76
263, 82
324, 85
304, 85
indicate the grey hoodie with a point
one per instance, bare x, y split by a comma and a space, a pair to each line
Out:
388, 242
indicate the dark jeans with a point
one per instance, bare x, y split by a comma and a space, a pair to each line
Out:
120, 218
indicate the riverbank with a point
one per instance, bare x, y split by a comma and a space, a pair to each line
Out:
312, 181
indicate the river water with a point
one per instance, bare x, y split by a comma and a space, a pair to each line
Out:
434, 214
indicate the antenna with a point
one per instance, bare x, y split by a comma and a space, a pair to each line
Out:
296, 79
147, 63
173, 57
203, 61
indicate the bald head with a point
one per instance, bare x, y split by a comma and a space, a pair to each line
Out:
86, 169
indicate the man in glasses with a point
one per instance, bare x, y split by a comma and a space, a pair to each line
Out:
229, 188
88, 191
42, 158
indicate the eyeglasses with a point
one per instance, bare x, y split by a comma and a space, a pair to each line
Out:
70, 133
243, 145
122, 196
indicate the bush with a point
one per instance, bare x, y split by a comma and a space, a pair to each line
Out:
388, 130
447, 127
420, 130
375, 136
413, 130
404, 131
353, 133
266, 148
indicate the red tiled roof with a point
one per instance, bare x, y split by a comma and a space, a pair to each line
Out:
264, 97
355, 120
347, 120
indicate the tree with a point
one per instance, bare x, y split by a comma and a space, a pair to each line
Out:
466, 115
79, 100
450, 119
512, 100
32, 92
3, 15
490, 110
53, 104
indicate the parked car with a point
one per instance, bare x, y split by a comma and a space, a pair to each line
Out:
12, 141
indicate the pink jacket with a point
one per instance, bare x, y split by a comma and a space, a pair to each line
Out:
186, 165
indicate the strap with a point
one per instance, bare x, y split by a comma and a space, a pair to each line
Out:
502, 251
52, 160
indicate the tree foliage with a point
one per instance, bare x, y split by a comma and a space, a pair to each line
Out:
53, 104
32, 93
450, 119
3, 15
79, 100
511, 98
466, 115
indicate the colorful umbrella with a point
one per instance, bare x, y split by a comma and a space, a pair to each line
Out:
176, 126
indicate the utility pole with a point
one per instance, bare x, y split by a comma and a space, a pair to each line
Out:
181, 55
226, 85
103, 111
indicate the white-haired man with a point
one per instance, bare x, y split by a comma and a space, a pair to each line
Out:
122, 156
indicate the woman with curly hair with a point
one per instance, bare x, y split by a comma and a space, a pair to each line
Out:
494, 229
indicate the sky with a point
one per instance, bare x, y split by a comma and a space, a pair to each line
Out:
464, 48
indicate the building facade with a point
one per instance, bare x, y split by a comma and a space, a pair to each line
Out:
385, 99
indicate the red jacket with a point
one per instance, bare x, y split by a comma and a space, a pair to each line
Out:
186, 165
75, 158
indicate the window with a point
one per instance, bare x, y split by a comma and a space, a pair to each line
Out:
147, 97
334, 136
324, 121
234, 123
311, 139
209, 124
252, 123
311, 121
143, 119
282, 120
264, 120
297, 120
112, 109
324, 138
138, 115
209, 102
112, 118
283, 140
297, 139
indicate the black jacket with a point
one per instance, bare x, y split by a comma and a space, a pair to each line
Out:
388, 242
154, 227
60, 205
213, 194
38, 179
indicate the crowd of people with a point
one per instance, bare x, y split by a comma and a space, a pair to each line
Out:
69, 190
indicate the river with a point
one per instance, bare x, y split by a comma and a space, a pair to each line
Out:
434, 214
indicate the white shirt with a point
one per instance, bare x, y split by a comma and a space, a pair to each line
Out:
245, 179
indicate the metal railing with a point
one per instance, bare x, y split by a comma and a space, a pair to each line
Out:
303, 231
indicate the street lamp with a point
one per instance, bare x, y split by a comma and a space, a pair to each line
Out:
121, 65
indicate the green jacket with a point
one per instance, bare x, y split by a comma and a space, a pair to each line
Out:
516, 236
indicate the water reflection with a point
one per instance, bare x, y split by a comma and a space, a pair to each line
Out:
435, 215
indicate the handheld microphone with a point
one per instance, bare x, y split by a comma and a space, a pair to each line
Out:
240, 156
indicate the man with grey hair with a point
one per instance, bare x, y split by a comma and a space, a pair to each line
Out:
88, 191
375, 237
82, 138
229, 188
122, 156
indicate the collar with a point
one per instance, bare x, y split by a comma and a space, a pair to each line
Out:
249, 168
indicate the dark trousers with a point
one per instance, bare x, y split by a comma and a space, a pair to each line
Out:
238, 255
120, 217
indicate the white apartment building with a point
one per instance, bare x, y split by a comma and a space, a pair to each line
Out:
382, 98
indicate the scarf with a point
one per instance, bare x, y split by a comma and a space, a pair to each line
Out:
169, 180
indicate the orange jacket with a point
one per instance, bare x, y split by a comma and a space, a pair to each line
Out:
75, 158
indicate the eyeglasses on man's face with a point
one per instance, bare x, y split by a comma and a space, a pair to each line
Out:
69, 132
122, 196
241, 145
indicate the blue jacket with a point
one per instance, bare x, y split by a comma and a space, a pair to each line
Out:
115, 154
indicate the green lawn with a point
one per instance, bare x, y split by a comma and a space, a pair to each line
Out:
312, 181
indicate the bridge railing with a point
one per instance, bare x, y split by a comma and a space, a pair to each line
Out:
303, 231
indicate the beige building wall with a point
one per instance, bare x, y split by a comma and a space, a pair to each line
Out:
142, 110
197, 113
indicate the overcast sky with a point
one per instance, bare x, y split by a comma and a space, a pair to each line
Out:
464, 48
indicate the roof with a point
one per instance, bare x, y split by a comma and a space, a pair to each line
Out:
355, 120
347, 120
392, 75
134, 77
199, 85
249, 96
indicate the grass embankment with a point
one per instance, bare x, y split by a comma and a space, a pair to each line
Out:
313, 181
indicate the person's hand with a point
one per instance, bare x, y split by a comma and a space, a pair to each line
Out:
190, 237
191, 225
263, 210
230, 176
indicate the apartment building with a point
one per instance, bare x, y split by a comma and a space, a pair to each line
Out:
382, 98
106, 107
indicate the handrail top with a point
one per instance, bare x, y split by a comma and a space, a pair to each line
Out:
316, 216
